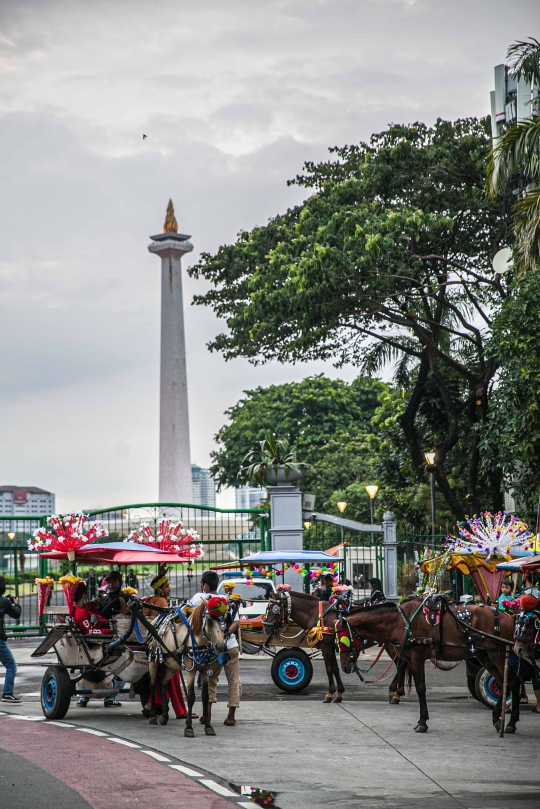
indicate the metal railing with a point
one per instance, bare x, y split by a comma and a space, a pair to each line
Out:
225, 534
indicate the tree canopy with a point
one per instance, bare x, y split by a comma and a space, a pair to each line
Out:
310, 413
389, 260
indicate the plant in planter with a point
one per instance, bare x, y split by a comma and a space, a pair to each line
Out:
271, 461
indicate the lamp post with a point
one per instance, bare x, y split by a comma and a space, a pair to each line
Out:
430, 460
342, 505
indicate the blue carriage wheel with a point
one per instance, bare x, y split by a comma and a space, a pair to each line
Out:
292, 671
49, 693
494, 690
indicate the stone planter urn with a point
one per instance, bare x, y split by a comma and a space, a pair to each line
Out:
280, 474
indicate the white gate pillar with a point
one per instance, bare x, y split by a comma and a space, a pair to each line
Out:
390, 583
286, 527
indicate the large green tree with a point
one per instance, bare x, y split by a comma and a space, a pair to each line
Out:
310, 413
389, 259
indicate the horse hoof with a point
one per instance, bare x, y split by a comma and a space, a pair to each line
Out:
152, 720
327, 700
189, 733
163, 719
210, 731
394, 701
390, 698
338, 699
510, 728
420, 729
497, 725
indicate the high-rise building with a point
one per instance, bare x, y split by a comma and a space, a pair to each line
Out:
204, 487
249, 496
21, 500
510, 100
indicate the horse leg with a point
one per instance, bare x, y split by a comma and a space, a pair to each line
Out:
496, 669
164, 718
396, 689
153, 671
329, 671
337, 676
190, 696
417, 665
514, 687
207, 707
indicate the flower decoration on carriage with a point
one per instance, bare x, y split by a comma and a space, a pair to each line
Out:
129, 591
44, 588
69, 586
228, 586
66, 533
172, 537
283, 588
217, 606
496, 535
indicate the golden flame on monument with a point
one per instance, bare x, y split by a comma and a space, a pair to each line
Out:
170, 225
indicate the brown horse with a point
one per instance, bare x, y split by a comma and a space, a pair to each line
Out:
197, 649
456, 634
304, 610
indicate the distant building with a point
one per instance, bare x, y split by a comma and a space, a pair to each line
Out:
510, 100
249, 496
204, 487
21, 500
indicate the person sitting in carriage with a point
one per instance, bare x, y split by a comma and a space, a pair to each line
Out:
112, 603
84, 614
161, 586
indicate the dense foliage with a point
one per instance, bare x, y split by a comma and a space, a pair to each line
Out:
389, 260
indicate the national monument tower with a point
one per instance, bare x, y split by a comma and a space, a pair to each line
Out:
174, 453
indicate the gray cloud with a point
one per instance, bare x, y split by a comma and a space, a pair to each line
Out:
234, 97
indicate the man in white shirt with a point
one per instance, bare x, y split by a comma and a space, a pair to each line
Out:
209, 585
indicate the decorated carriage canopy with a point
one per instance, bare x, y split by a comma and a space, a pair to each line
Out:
482, 544
275, 563
522, 564
119, 553
292, 557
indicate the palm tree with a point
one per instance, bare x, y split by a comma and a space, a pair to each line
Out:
516, 157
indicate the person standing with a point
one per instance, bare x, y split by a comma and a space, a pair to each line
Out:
209, 585
9, 605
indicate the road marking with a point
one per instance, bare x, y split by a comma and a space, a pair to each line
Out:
187, 771
62, 725
245, 805
215, 787
157, 756
92, 731
125, 742
27, 718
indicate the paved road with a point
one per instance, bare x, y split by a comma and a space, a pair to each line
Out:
363, 753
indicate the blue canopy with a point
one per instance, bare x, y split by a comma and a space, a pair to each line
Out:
517, 564
278, 557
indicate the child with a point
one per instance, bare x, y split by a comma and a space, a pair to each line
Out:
505, 601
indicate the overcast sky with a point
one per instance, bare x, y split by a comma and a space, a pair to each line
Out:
234, 95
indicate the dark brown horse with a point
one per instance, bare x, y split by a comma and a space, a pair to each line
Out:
456, 634
304, 610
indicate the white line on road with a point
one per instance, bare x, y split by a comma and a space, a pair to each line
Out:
92, 731
62, 725
157, 756
125, 742
27, 718
215, 787
187, 771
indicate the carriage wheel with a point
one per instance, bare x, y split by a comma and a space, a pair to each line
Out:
292, 670
489, 689
55, 692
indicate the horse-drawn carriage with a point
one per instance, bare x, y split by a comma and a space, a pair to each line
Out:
93, 665
291, 651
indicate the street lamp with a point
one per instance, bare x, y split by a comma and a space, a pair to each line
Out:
342, 505
11, 535
372, 491
430, 460
307, 525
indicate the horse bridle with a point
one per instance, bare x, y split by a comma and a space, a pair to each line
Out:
281, 605
522, 622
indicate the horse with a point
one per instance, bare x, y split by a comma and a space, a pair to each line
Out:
452, 635
312, 614
196, 645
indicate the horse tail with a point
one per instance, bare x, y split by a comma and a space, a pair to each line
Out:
196, 618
